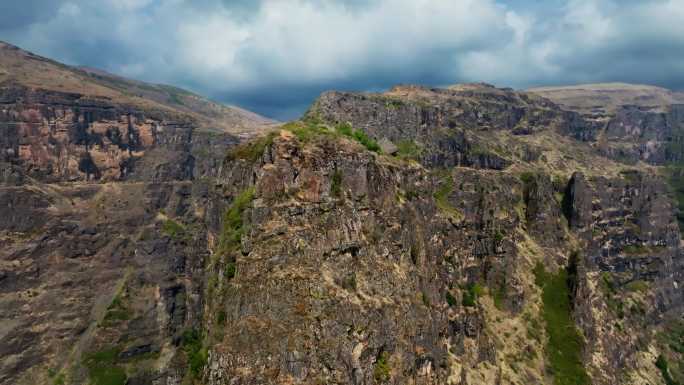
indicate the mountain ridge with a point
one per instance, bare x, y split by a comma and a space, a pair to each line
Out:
17, 66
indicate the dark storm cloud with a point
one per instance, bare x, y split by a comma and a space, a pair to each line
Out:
275, 56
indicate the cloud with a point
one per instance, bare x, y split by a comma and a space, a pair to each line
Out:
275, 56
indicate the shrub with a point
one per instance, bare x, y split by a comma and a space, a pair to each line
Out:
366, 141
527, 177
471, 293
233, 226
345, 129
229, 271
58, 380
195, 351
450, 299
661, 363
381, 373
221, 318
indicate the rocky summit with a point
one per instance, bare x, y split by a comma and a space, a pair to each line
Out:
462, 235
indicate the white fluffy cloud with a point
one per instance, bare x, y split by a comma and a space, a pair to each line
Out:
276, 55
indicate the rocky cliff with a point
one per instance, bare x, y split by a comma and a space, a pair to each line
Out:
469, 235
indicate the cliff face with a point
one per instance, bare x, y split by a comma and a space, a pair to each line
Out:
469, 235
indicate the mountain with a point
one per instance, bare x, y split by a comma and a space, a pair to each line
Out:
459, 235
26, 69
605, 98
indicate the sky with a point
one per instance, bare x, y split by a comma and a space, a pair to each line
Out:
275, 56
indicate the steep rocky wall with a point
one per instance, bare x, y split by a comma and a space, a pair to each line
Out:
444, 121
329, 284
101, 268
55, 136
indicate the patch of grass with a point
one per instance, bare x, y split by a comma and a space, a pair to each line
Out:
408, 149
499, 295
59, 379
564, 345
306, 131
471, 293
103, 369
638, 250
116, 312
527, 177
195, 351
637, 285
252, 150
442, 198
661, 363
381, 372
233, 226
173, 229
345, 129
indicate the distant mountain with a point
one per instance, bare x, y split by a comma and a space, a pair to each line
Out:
21, 67
607, 97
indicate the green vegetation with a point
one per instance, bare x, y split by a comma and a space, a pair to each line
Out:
661, 363
196, 353
116, 312
425, 299
675, 177
336, 184
499, 295
103, 369
671, 361
229, 271
527, 177
307, 130
311, 128
57, 378
638, 250
233, 225
173, 229
471, 293
564, 345
221, 317
675, 336
252, 150
442, 198
381, 373
637, 285
408, 149
393, 104
610, 289
451, 300
345, 129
